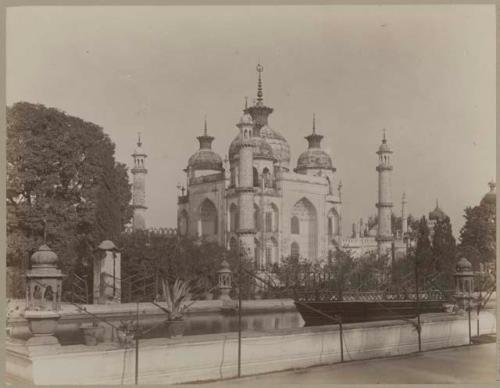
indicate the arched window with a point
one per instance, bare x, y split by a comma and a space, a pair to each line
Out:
255, 177
233, 218
256, 217
330, 227
295, 228
208, 216
183, 223
269, 222
257, 254
275, 217
233, 244
266, 176
295, 250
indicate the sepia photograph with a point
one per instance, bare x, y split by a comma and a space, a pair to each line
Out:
250, 194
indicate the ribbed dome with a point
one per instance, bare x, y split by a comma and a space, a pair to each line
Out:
314, 158
437, 214
463, 265
261, 150
44, 257
279, 145
384, 147
490, 198
205, 159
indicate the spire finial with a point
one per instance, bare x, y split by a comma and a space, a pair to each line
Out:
139, 143
260, 94
437, 203
314, 123
246, 102
205, 126
384, 140
403, 199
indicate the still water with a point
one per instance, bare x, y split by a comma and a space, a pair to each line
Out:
70, 334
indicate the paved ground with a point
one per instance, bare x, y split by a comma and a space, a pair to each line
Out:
466, 364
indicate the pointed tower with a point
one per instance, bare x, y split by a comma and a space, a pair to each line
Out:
404, 216
245, 188
139, 187
384, 205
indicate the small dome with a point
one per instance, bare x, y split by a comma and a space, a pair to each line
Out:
490, 198
44, 257
205, 159
261, 150
314, 158
384, 147
246, 119
107, 245
437, 214
278, 143
464, 265
139, 151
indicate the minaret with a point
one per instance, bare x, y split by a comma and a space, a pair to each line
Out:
404, 216
139, 187
384, 205
245, 188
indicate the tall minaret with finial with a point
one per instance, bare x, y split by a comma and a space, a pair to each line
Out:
245, 188
404, 216
139, 187
384, 205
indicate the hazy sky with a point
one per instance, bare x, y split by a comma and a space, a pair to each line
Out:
426, 73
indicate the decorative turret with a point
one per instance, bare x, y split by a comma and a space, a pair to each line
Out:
437, 214
259, 111
204, 160
384, 205
314, 158
139, 187
260, 114
490, 198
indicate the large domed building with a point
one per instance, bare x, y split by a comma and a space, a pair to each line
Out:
257, 202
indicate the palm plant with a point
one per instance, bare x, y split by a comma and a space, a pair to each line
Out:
174, 297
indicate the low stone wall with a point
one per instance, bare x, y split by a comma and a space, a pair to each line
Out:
206, 357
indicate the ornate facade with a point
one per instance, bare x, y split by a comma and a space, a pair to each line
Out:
256, 202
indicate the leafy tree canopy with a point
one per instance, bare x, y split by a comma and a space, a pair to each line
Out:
61, 169
478, 235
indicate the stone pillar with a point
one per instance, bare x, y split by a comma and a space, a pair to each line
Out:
225, 281
107, 274
384, 204
464, 284
43, 297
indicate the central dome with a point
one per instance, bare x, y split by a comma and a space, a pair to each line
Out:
279, 145
261, 149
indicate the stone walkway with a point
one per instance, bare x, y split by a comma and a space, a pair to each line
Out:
466, 364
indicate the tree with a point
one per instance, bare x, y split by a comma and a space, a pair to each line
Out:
444, 252
61, 173
478, 235
423, 251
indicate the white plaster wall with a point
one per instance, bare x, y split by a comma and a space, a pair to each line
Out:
195, 358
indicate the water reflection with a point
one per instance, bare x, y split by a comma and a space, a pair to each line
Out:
70, 334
